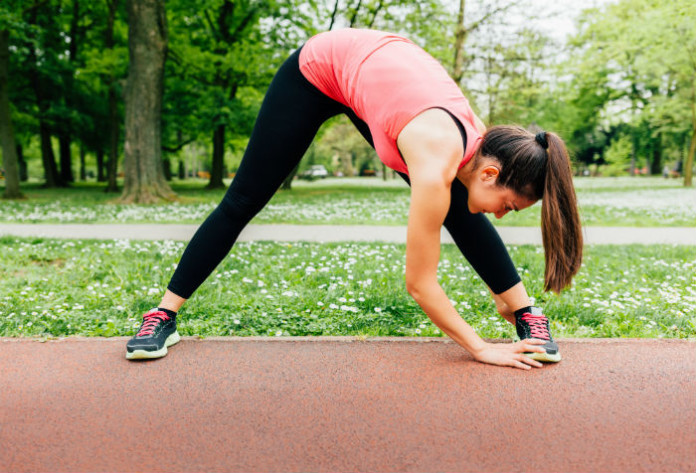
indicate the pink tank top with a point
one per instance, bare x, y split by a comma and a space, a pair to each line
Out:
387, 81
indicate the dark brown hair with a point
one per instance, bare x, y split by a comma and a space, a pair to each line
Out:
539, 168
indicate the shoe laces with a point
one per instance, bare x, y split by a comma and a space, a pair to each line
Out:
538, 325
150, 322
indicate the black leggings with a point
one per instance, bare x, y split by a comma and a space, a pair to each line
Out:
290, 116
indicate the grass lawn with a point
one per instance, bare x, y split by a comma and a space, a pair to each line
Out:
640, 201
101, 288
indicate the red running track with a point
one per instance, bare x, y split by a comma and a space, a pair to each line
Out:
343, 405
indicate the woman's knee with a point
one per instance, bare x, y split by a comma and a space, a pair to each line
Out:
240, 206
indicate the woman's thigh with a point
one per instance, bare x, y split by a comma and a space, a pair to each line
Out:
290, 116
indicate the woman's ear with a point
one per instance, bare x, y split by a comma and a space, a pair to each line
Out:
489, 173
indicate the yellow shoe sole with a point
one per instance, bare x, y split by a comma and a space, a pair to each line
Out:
148, 355
545, 357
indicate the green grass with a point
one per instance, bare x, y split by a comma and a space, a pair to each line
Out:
101, 288
640, 201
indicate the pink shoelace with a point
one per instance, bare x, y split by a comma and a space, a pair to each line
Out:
538, 325
151, 320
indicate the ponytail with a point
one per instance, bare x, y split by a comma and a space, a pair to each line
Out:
560, 222
538, 167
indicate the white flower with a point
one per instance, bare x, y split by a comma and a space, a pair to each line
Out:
378, 309
236, 322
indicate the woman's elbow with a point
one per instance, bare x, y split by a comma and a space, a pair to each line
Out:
418, 288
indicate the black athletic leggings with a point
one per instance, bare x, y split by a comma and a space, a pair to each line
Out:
290, 116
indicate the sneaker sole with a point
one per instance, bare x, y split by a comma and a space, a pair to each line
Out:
545, 357
148, 355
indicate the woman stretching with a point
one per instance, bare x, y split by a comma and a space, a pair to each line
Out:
415, 116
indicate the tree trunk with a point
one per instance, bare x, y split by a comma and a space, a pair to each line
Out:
689, 164
182, 170
375, 12
100, 165
219, 147
48, 157
333, 15
114, 131
634, 153
83, 166
7, 141
112, 125
147, 48
218, 158
167, 169
354, 18
287, 183
656, 165
64, 157
23, 172
459, 37
64, 135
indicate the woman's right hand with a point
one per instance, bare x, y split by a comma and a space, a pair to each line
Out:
511, 354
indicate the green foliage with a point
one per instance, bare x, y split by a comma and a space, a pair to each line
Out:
633, 64
618, 156
629, 68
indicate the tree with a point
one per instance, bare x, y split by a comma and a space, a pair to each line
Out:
147, 45
221, 47
645, 53
7, 141
42, 70
464, 29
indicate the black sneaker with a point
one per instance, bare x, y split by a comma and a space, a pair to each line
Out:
530, 322
157, 332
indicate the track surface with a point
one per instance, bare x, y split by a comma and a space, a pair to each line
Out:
344, 405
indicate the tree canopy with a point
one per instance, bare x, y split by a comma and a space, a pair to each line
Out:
621, 91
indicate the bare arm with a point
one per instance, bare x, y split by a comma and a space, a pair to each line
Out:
432, 148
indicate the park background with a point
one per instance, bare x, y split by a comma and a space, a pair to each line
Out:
617, 81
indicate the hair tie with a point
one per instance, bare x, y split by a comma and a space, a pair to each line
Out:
541, 139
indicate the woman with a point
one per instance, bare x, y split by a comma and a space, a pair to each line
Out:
414, 115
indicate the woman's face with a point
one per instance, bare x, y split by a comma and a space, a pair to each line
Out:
486, 196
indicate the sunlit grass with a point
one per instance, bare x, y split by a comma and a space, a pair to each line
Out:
101, 288
603, 201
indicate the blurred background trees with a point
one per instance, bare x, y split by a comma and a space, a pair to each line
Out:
621, 90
